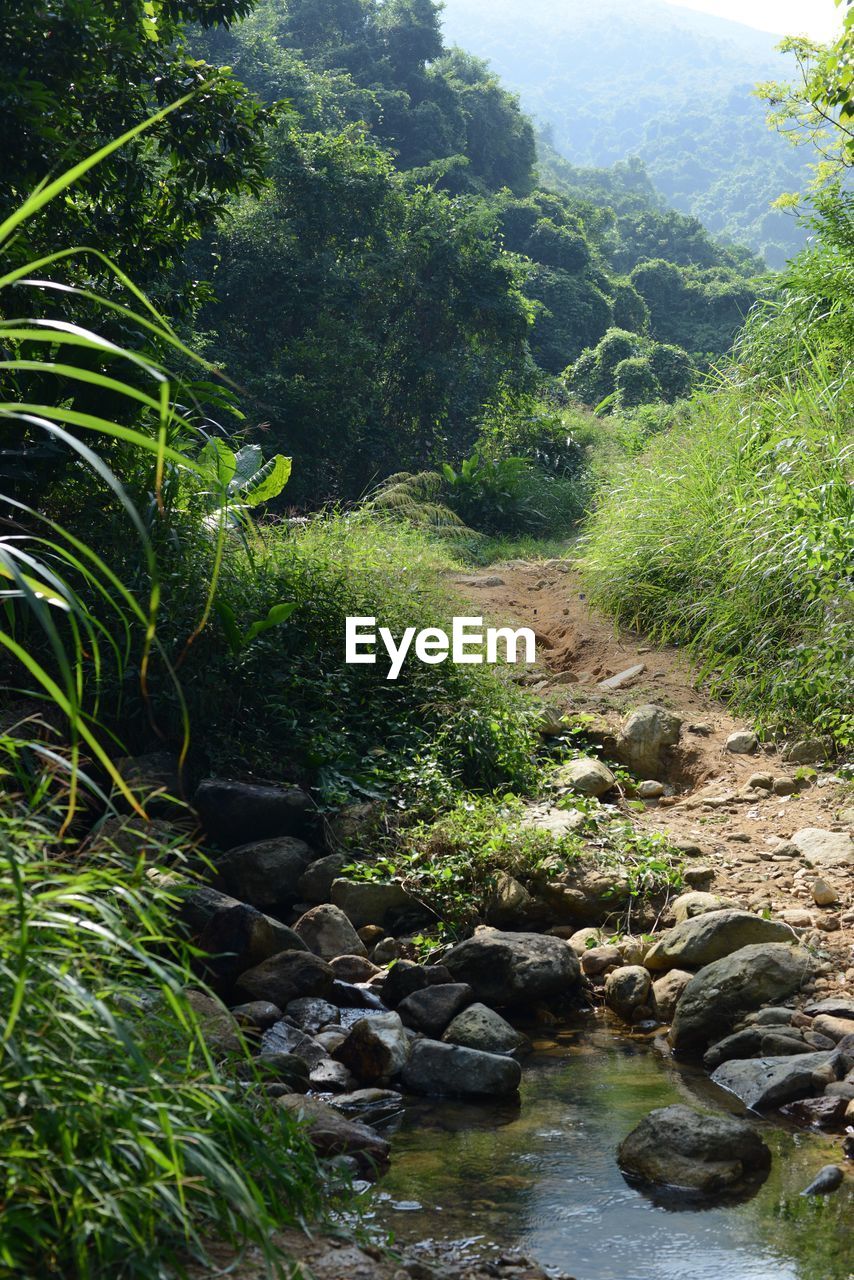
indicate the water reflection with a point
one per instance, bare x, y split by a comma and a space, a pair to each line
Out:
542, 1176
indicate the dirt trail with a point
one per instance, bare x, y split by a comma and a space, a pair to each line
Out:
710, 810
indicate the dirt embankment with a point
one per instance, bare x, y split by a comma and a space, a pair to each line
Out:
709, 809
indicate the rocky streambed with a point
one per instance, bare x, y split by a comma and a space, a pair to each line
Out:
317, 973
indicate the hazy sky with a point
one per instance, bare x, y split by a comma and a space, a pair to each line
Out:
819, 19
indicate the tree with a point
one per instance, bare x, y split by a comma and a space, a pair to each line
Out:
819, 109
410, 35
370, 324
499, 138
96, 68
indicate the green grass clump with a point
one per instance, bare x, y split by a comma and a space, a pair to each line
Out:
290, 696
123, 1149
450, 864
735, 532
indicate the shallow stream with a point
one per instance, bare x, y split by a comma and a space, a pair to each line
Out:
542, 1177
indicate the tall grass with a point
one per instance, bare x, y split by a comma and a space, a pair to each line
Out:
735, 533
124, 1149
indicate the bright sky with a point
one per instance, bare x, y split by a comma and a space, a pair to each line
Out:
820, 19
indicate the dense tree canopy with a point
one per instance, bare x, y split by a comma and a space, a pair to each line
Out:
76, 74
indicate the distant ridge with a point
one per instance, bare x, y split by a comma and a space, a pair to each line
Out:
608, 80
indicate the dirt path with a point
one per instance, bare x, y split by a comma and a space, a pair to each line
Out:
741, 831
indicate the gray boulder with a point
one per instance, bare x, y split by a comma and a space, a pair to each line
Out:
742, 743
824, 850
332, 1134
479, 1027
697, 903
328, 933
585, 776
265, 874
832, 1006
752, 1042
237, 937
439, 1069
283, 1038
242, 812
508, 968
687, 1149
286, 977
260, 1014
310, 1014
770, 1082
431, 1009
735, 985
626, 989
375, 1049
370, 902
711, 936
353, 968
644, 739
315, 883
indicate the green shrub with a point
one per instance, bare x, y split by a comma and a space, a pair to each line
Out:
635, 382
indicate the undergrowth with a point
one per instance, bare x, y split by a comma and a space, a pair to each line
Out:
290, 694
123, 1147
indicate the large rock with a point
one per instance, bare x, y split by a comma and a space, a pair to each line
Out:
737, 984
509, 901
439, 1069
328, 933
404, 977
243, 812
825, 850
283, 1038
712, 935
755, 1042
433, 1008
286, 977
219, 1028
370, 902
315, 883
310, 1014
645, 736
697, 903
769, 1082
508, 968
833, 1006
585, 776
479, 1027
265, 874
687, 1149
627, 989
667, 992
332, 1134
238, 937
375, 1049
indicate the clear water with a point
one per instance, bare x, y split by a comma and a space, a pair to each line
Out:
543, 1177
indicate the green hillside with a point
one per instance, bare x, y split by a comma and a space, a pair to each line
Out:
671, 86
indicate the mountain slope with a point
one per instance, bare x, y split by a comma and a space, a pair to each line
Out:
666, 84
